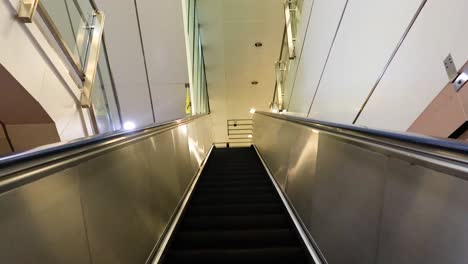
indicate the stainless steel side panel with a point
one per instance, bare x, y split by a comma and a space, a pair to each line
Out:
112, 208
425, 216
43, 223
362, 206
271, 142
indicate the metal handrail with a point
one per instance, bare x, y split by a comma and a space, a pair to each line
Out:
62, 151
279, 60
446, 149
85, 70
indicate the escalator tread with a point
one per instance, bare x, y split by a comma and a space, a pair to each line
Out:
235, 256
235, 216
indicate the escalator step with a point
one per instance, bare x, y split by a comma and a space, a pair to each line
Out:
231, 256
235, 179
241, 194
236, 209
236, 216
229, 199
241, 239
238, 183
235, 222
236, 189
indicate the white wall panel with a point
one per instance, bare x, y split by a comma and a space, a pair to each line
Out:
162, 27
26, 54
62, 110
322, 27
126, 60
302, 26
417, 74
170, 99
162, 33
369, 33
211, 15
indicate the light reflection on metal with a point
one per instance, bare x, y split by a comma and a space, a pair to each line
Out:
184, 129
195, 150
93, 59
26, 10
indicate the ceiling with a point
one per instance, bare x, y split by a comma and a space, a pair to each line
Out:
229, 29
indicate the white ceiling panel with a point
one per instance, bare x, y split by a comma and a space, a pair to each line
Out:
229, 30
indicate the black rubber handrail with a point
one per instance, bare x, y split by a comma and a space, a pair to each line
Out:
97, 140
449, 145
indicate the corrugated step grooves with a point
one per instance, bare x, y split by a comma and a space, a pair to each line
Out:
235, 216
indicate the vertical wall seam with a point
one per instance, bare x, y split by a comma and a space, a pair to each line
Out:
382, 209
111, 75
300, 54
392, 56
328, 56
85, 226
144, 60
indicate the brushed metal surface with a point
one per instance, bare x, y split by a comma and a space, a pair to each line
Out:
117, 205
175, 219
111, 208
42, 222
347, 198
444, 155
270, 138
425, 216
302, 161
363, 205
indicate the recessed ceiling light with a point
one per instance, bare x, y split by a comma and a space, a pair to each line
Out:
258, 44
252, 110
254, 82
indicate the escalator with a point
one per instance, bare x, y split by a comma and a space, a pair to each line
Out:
164, 194
235, 215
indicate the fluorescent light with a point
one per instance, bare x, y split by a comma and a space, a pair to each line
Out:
252, 110
249, 136
129, 125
